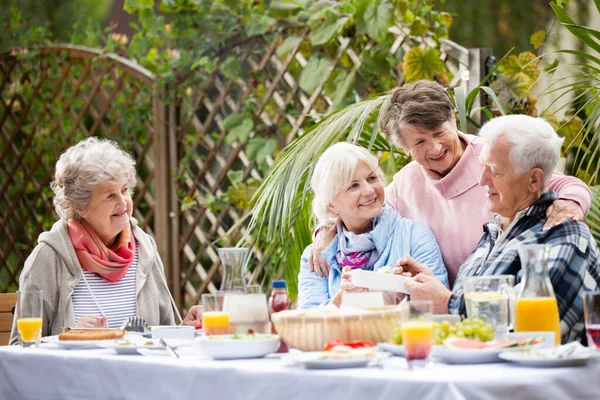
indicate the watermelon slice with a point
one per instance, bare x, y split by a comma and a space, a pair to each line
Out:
472, 344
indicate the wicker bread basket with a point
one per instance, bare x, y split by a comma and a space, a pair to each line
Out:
309, 330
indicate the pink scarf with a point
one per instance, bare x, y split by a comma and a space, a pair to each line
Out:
93, 255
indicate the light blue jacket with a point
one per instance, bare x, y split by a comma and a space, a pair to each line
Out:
394, 237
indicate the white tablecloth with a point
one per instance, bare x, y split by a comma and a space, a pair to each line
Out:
46, 373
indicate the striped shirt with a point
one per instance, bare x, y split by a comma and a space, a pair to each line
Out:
113, 300
573, 262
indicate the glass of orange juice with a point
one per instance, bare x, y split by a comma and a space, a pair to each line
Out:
215, 321
30, 309
417, 332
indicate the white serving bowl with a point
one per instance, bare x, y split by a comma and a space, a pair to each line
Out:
173, 332
228, 347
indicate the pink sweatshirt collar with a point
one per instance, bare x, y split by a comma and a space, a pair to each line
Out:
463, 176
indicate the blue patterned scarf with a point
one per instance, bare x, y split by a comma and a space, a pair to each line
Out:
356, 251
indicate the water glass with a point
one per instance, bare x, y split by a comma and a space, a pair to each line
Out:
592, 318
492, 299
417, 331
30, 313
215, 321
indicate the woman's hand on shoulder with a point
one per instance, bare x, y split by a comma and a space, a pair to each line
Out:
91, 321
408, 266
316, 262
563, 210
193, 317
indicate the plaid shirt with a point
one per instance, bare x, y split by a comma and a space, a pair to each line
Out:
573, 261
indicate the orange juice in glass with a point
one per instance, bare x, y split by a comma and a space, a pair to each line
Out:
214, 320
538, 314
215, 323
29, 317
417, 332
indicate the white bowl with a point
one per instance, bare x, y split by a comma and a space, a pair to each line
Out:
230, 347
173, 332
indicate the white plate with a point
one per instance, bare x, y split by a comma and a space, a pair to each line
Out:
124, 346
74, 344
470, 356
316, 360
529, 359
225, 347
398, 349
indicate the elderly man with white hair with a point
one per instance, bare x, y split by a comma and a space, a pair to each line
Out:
518, 157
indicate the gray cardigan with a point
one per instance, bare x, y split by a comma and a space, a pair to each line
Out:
54, 268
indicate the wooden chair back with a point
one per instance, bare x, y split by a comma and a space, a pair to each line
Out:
8, 302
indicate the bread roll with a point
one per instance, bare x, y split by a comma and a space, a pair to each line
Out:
100, 334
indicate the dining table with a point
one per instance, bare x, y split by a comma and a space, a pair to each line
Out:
48, 372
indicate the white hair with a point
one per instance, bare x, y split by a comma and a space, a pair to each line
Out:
333, 173
535, 143
85, 166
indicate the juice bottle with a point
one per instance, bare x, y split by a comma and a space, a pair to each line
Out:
279, 301
536, 309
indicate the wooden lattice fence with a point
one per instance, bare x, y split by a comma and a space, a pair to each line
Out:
186, 148
50, 98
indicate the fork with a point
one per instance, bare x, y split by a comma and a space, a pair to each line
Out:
136, 324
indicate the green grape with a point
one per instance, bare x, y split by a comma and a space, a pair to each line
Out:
446, 326
468, 330
396, 335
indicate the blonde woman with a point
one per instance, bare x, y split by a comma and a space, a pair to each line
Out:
349, 194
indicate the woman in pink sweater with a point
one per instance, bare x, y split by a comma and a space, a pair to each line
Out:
441, 186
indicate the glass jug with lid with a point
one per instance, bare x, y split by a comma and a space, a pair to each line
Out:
536, 309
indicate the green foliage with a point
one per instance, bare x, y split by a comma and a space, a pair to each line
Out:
581, 128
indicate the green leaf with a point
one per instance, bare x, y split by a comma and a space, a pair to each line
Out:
132, 6
315, 73
379, 17
320, 6
419, 27
233, 120
326, 31
240, 132
537, 39
343, 85
259, 24
422, 64
235, 177
376, 61
258, 149
288, 45
204, 60
282, 9
232, 5
231, 68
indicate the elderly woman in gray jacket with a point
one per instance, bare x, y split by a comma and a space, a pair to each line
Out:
96, 267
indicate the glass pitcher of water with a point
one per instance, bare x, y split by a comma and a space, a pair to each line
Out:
537, 309
491, 298
233, 260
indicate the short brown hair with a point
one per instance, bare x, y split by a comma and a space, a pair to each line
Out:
423, 104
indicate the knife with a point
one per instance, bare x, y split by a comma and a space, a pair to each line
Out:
169, 348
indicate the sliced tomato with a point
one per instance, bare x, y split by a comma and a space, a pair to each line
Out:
355, 344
